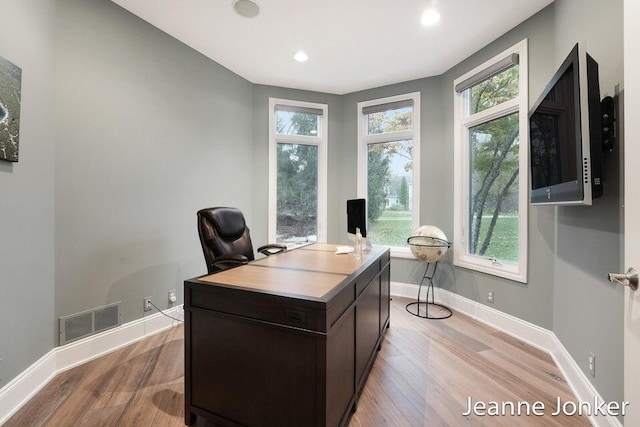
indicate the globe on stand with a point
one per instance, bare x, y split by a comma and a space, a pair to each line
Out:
429, 244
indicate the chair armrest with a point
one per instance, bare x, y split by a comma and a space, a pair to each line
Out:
272, 249
226, 262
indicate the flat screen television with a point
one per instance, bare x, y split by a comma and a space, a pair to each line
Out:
565, 141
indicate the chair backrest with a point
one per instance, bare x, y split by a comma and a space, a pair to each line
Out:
223, 231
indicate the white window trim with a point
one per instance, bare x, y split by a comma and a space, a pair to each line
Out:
321, 141
414, 135
461, 257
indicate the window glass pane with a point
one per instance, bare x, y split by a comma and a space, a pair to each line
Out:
390, 121
494, 148
389, 201
290, 123
297, 193
495, 90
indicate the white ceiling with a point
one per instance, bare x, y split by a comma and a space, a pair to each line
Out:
351, 44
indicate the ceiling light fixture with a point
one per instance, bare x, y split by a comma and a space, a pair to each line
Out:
300, 56
246, 8
430, 17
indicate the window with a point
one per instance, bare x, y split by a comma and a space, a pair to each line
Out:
388, 176
297, 172
491, 167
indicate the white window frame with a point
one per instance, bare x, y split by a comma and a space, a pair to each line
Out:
463, 121
364, 139
321, 141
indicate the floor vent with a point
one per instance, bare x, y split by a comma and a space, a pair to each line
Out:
86, 323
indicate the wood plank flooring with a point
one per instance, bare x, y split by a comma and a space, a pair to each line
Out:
423, 376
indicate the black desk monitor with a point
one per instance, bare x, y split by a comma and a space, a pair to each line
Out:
356, 217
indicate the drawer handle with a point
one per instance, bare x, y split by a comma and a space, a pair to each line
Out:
297, 316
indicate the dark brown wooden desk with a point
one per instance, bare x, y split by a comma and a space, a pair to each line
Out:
287, 340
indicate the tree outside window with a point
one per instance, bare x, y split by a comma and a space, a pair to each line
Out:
388, 136
494, 154
298, 171
490, 168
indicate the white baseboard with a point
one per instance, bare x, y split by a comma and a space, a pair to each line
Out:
527, 332
23, 387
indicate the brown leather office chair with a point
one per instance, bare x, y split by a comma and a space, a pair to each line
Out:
225, 239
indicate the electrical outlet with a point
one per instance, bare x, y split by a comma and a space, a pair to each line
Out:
172, 296
0, 369
490, 296
147, 304
592, 364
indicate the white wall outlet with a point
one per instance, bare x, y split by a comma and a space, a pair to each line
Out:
172, 296
147, 304
592, 364
490, 296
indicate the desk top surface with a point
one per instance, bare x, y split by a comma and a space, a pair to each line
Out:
311, 271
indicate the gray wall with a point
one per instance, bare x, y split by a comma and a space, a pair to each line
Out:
148, 132
26, 192
588, 310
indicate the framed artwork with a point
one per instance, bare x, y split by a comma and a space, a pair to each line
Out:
10, 88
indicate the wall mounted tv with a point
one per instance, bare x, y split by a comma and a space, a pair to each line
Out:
565, 141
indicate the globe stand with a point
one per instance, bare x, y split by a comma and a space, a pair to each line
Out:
446, 310
419, 242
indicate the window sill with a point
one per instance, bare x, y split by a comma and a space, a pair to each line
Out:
504, 270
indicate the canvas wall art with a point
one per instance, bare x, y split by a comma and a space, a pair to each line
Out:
10, 87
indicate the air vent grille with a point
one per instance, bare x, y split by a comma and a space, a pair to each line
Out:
78, 326
86, 323
106, 318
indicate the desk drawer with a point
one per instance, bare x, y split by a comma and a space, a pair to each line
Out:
365, 278
339, 304
269, 308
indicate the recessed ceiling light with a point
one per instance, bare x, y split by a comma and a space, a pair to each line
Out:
246, 8
300, 56
430, 17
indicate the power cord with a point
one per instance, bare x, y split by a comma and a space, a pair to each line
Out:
165, 314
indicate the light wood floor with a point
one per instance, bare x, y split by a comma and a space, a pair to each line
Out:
423, 376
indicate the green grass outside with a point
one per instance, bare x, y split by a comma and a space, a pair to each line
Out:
394, 227
395, 214
504, 241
